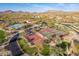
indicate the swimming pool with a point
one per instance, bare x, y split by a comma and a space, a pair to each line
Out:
16, 26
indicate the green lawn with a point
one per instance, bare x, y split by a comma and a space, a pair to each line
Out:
2, 36
29, 50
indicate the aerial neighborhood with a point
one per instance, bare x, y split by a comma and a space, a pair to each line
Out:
50, 33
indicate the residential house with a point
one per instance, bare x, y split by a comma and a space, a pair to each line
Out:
35, 38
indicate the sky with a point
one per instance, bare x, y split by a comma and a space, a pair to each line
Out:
39, 7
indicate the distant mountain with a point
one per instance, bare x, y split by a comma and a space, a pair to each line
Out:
9, 11
49, 11
58, 14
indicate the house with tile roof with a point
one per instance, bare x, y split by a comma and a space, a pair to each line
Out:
35, 38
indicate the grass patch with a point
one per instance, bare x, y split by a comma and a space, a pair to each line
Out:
29, 50
2, 36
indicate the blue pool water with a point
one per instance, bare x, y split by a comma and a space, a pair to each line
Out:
16, 26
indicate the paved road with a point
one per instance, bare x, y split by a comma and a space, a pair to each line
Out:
75, 30
7, 42
73, 27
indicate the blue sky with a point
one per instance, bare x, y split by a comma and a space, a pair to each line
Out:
39, 7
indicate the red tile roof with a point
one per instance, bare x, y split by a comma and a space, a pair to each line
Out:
35, 38
49, 30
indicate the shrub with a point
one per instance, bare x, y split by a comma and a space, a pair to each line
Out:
46, 50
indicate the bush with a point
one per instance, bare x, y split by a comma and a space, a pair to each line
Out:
64, 45
46, 50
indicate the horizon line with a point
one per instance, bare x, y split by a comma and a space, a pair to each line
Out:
40, 11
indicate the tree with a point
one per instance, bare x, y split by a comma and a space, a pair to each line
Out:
64, 45
46, 50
